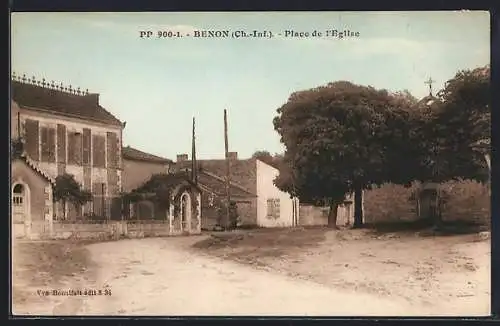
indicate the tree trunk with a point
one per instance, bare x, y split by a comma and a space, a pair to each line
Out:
358, 208
436, 214
332, 214
64, 209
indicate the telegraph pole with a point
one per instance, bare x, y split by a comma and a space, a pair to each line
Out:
19, 126
194, 172
228, 169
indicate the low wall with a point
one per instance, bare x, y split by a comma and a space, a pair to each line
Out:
147, 229
389, 203
465, 200
310, 215
95, 230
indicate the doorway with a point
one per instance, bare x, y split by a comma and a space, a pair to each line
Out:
185, 212
19, 207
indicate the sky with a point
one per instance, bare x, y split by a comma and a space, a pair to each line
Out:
157, 85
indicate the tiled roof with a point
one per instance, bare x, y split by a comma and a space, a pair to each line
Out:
163, 182
85, 106
270, 161
32, 164
243, 172
428, 105
135, 154
217, 185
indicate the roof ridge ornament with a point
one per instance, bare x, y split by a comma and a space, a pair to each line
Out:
44, 83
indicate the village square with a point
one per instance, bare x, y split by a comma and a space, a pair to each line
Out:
377, 204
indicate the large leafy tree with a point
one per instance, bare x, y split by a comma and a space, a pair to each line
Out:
338, 139
443, 130
262, 154
465, 117
443, 133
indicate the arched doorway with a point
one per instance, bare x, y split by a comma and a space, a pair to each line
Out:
19, 203
21, 209
185, 212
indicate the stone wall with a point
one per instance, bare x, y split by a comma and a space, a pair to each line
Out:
462, 200
389, 203
310, 215
98, 231
313, 215
467, 201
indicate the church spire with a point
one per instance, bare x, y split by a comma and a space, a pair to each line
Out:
429, 82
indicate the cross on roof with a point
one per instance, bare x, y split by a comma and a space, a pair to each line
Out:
429, 82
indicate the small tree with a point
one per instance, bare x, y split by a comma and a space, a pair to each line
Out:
67, 189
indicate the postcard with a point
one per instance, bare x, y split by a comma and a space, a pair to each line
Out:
250, 164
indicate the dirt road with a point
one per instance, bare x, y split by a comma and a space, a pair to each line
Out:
165, 277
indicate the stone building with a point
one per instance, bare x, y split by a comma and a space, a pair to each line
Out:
64, 130
139, 166
259, 201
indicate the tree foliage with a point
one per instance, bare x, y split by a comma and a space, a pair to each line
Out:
67, 190
338, 138
465, 118
261, 154
442, 130
344, 137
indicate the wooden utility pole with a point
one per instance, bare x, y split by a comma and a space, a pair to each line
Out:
194, 172
228, 169
19, 125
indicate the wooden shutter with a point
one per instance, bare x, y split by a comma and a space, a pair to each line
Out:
44, 135
32, 139
86, 146
61, 143
52, 145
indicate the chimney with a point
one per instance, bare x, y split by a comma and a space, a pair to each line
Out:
232, 155
182, 157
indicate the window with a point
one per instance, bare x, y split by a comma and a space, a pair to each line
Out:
113, 151
86, 146
273, 208
48, 144
99, 151
18, 189
17, 200
75, 148
31, 133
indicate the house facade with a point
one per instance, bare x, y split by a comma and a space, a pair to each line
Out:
31, 194
68, 131
139, 166
259, 201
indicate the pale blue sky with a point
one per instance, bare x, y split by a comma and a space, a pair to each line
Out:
157, 85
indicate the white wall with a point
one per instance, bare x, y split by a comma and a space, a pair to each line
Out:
267, 190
